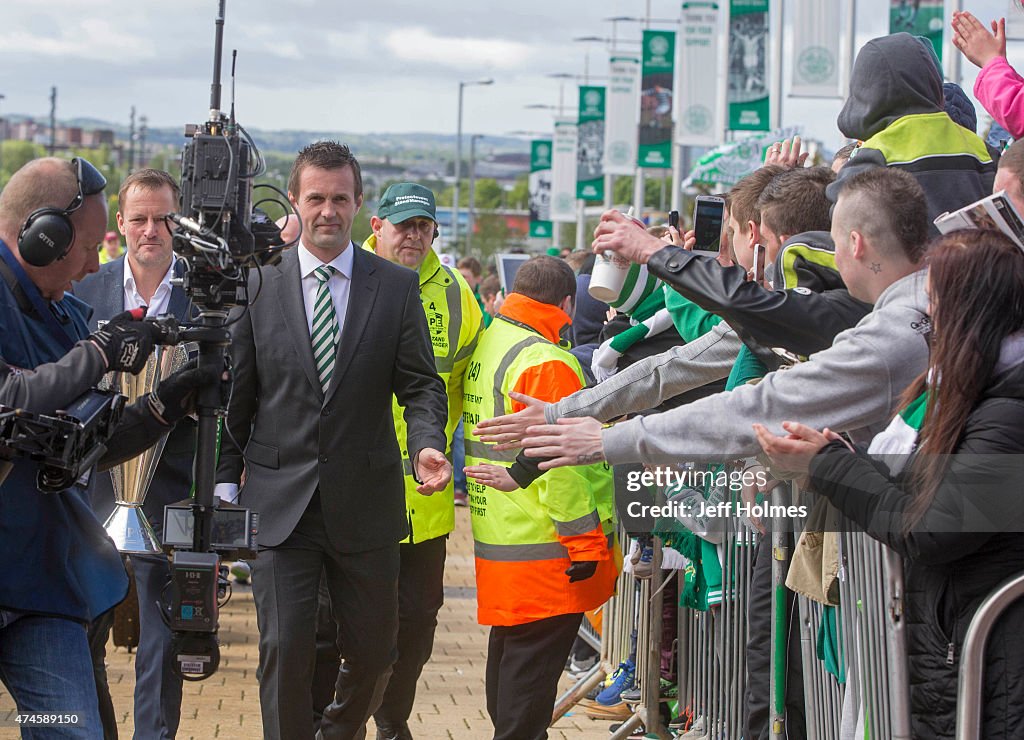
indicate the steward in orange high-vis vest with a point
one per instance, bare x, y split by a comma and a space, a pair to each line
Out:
546, 553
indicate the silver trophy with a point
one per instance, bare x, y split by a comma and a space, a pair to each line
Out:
127, 524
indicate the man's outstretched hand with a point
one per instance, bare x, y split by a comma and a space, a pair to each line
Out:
433, 470
507, 432
569, 442
620, 234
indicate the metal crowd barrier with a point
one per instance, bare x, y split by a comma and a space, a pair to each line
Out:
969, 702
712, 670
873, 639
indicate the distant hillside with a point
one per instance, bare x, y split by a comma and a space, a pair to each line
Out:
405, 147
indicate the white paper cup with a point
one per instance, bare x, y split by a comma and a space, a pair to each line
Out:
608, 277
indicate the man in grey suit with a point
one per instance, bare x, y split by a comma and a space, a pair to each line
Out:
335, 333
142, 278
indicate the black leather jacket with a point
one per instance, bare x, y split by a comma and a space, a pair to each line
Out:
803, 319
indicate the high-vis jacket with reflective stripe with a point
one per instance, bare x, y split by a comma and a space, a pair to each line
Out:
453, 319
525, 540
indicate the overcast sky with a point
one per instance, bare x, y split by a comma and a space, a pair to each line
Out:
373, 65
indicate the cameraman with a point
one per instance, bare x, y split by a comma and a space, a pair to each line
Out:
58, 569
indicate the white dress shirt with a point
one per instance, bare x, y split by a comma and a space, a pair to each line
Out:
339, 283
157, 305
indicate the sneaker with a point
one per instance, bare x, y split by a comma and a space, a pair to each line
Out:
696, 730
623, 678
668, 692
638, 734
241, 571
578, 668
461, 498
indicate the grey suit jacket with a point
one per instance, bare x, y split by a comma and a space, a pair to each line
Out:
172, 480
292, 440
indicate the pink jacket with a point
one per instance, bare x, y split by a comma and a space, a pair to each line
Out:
1000, 90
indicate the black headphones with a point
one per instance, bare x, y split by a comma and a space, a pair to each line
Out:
48, 233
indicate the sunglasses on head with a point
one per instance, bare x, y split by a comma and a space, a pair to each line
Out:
90, 182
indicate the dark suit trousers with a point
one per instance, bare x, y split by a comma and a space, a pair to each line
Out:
157, 688
363, 587
420, 597
524, 663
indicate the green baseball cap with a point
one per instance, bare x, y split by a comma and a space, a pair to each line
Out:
405, 200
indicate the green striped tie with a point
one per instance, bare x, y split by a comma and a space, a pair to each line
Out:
325, 327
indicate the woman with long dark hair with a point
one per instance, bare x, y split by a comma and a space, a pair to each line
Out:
944, 484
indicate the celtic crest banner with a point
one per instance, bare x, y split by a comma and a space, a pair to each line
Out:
540, 188
816, 43
698, 116
563, 171
622, 100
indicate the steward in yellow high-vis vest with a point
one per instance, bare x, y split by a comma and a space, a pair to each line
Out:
403, 231
454, 321
544, 554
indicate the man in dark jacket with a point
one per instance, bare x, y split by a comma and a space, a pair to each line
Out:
896, 108
142, 277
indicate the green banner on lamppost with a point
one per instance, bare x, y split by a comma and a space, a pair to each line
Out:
540, 188
748, 65
923, 18
655, 147
590, 147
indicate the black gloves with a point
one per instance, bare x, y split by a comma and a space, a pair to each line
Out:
581, 570
176, 395
126, 342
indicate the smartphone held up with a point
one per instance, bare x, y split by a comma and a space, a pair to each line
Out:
708, 218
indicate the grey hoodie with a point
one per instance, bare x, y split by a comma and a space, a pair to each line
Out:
896, 109
853, 386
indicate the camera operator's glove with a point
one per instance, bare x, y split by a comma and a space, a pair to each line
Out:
176, 395
581, 570
126, 342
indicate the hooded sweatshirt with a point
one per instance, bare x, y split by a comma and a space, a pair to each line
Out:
896, 109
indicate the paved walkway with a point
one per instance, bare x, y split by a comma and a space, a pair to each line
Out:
449, 704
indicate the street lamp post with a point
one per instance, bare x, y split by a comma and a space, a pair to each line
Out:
472, 191
458, 158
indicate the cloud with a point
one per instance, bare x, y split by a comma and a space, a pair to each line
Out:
422, 45
80, 42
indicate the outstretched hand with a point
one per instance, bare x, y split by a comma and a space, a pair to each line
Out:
494, 476
976, 42
794, 452
507, 432
569, 442
433, 469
